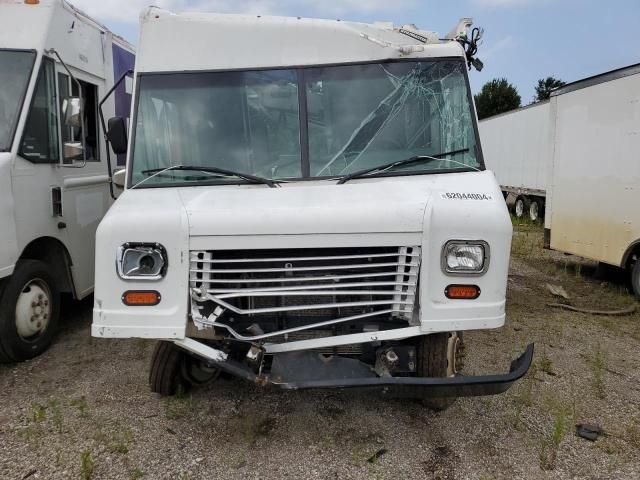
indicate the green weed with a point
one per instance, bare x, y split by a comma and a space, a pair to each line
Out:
87, 465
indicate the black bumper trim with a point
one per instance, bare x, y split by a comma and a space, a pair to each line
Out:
459, 386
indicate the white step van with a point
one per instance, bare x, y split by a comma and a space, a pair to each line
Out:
306, 206
55, 65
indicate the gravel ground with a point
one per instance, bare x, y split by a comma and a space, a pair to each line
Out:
83, 409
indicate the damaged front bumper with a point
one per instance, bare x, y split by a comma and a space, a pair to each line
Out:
306, 370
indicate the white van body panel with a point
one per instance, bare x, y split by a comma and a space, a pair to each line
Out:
25, 187
413, 210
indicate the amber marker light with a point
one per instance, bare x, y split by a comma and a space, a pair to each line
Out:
141, 298
462, 292
31, 2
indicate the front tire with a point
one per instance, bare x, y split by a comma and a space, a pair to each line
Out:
173, 370
635, 278
29, 311
439, 355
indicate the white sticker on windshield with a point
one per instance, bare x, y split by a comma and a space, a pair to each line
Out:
465, 196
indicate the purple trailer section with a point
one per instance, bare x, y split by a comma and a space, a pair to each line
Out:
123, 60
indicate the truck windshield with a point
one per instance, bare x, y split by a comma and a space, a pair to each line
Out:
289, 124
15, 69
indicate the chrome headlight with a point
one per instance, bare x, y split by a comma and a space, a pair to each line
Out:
465, 257
141, 261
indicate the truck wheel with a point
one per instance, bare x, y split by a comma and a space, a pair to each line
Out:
165, 375
521, 206
535, 210
635, 278
439, 355
29, 311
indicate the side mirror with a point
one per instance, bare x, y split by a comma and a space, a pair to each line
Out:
72, 111
117, 135
119, 177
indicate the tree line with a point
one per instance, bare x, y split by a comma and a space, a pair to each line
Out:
499, 96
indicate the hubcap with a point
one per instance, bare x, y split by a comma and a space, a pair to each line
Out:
533, 211
519, 208
33, 309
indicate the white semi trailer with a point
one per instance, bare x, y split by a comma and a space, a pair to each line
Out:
55, 65
306, 206
516, 148
593, 191
577, 158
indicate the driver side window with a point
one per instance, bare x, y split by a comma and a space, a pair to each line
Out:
40, 138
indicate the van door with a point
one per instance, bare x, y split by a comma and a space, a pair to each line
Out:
85, 192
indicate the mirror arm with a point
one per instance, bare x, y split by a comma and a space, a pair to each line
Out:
52, 51
104, 126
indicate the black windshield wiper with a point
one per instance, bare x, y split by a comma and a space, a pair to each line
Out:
406, 161
204, 168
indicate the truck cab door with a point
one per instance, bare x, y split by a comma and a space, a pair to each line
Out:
83, 173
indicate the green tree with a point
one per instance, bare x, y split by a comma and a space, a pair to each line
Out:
546, 86
497, 96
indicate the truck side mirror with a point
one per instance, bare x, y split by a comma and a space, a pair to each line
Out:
117, 135
72, 111
119, 177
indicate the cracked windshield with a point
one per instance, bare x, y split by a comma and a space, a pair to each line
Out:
248, 123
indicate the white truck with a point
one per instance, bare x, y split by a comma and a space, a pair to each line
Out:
55, 64
593, 206
306, 206
516, 148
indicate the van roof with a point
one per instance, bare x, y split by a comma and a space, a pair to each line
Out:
210, 41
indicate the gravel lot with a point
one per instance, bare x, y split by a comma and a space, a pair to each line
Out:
83, 410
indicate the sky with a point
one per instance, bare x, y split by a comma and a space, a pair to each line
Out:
524, 40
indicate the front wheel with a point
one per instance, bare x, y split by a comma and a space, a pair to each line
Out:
439, 355
29, 311
173, 370
635, 278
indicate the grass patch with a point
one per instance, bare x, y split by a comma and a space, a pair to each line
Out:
122, 441
57, 418
87, 465
179, 405
551, 444
598, 367
136, 473
39, 413
81, 405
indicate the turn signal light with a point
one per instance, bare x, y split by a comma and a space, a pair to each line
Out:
31, 2
137, 298
462, 292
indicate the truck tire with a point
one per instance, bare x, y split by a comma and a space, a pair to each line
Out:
635, 278
165, 375
535, 210
521, 206
439, 355
172, 369
29, 311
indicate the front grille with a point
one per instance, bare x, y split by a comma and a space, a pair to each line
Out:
306, 286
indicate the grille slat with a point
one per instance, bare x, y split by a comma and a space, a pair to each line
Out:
301, 281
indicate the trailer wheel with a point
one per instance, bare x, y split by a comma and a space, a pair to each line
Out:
439, 355
535, 210
521, 206
165, 375
29, 311
635, 278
